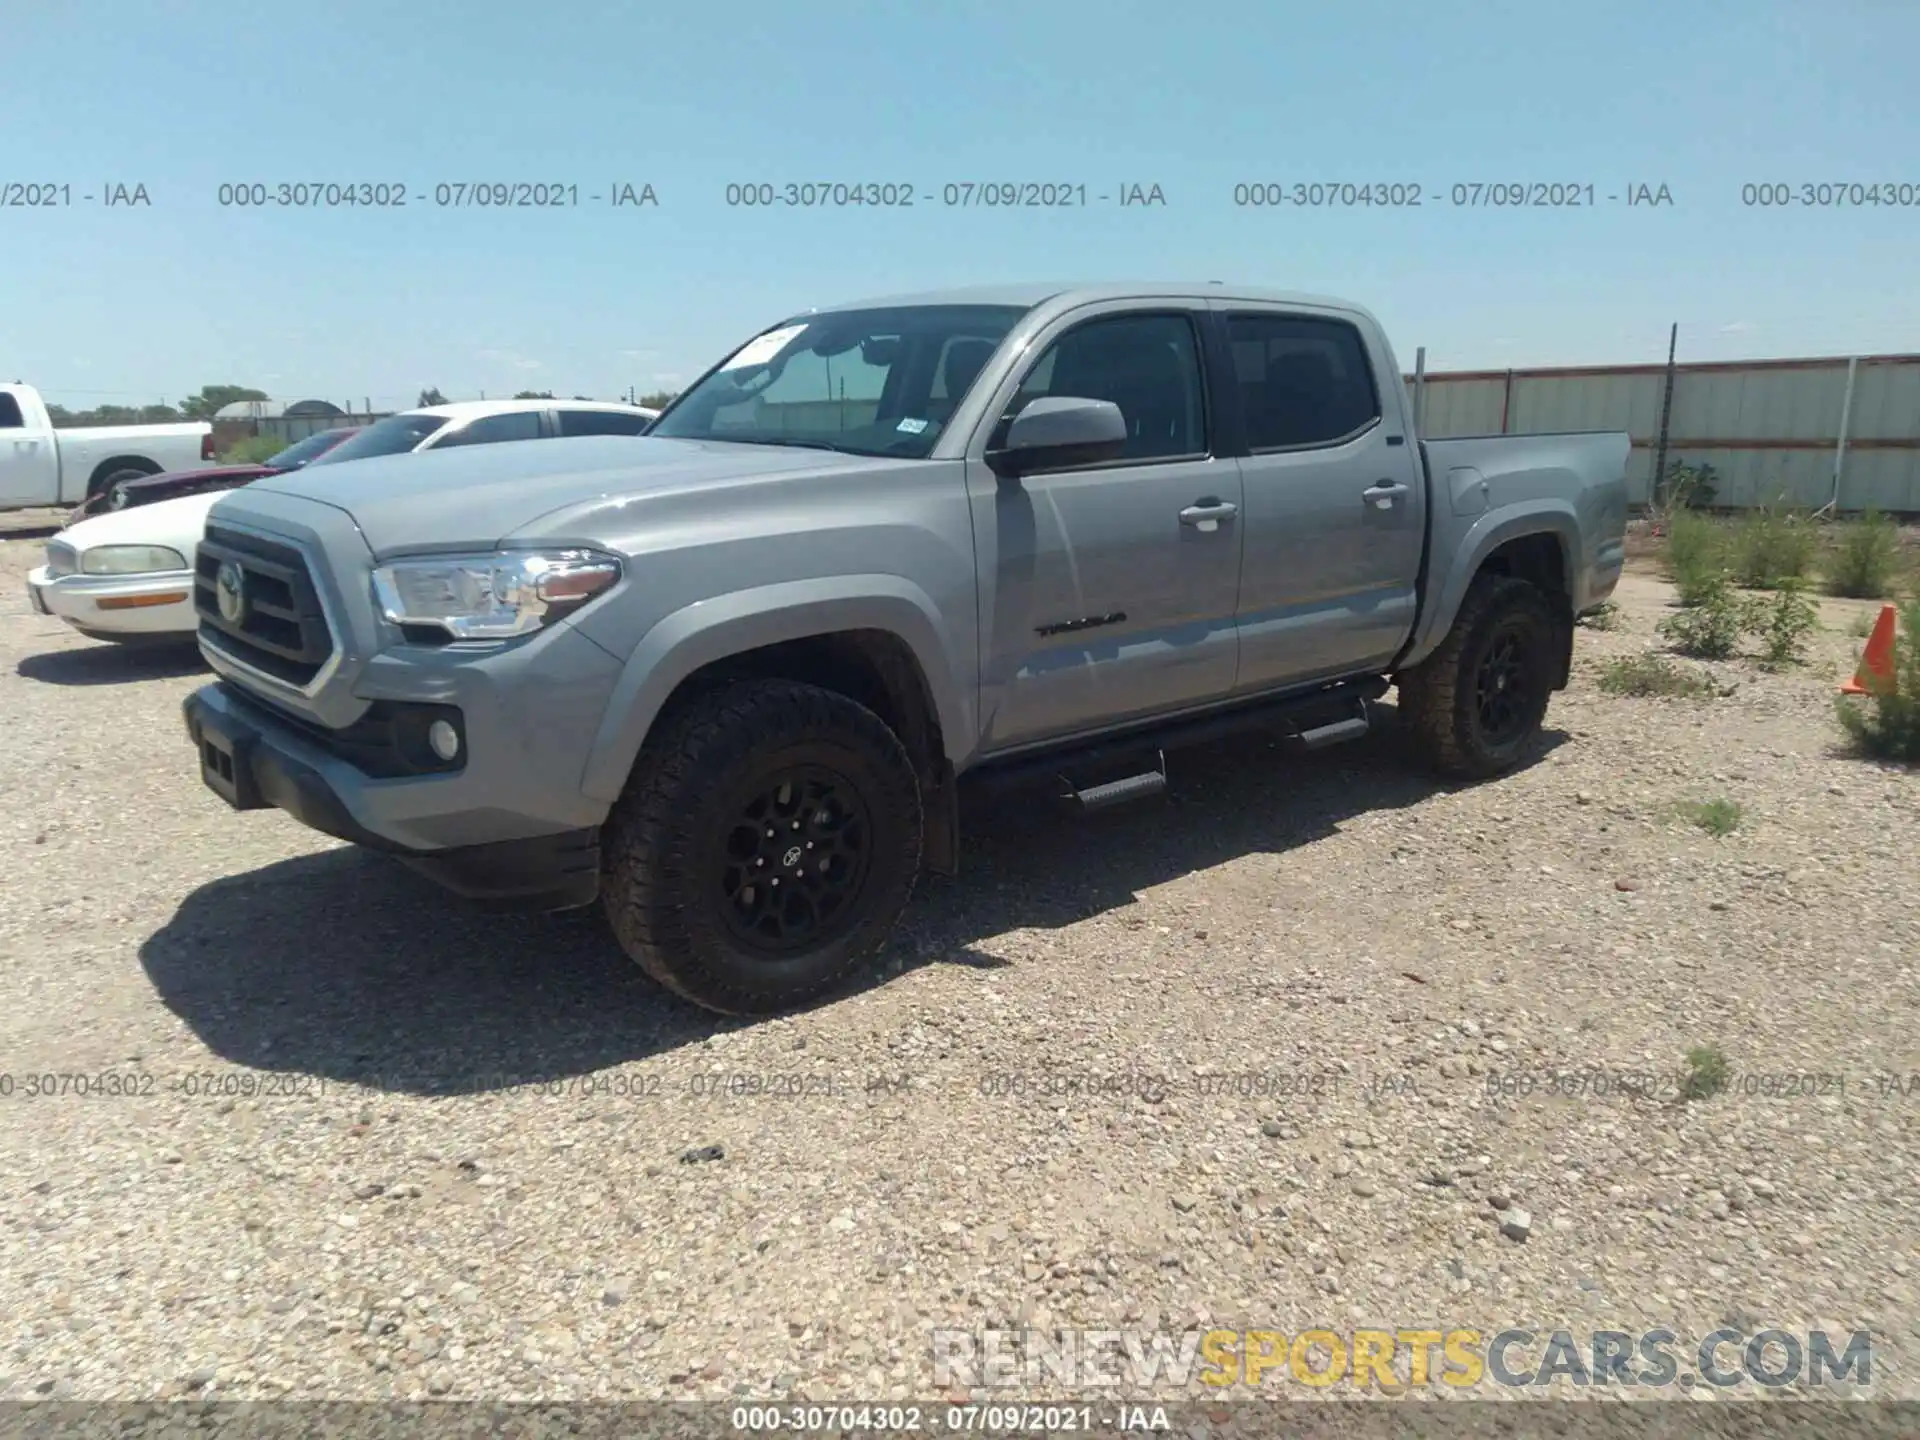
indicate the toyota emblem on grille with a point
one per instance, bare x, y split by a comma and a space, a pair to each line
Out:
229, 587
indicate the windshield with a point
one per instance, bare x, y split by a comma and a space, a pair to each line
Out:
394, 435
301, 451
869, 382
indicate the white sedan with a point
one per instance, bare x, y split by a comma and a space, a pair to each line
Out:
127, 575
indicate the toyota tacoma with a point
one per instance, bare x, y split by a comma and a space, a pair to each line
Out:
726, 679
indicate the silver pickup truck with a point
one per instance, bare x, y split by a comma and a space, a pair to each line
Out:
726, 679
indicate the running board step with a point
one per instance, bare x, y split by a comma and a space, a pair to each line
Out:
1321, 736
1119, 792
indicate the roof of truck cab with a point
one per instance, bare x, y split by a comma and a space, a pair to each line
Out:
1035, 293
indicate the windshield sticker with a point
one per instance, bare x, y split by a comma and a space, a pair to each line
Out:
911, 427
762, 348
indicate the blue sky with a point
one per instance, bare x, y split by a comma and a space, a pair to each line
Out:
147, 303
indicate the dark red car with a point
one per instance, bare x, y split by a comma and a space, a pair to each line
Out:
175, 483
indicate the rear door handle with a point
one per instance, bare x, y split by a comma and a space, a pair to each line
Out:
1383, 493
1208, 513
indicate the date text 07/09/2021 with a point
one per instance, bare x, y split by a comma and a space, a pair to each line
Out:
1261, 193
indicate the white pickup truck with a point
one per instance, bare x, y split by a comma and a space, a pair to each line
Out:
40, 465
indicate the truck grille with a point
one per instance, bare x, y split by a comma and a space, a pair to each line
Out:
280, 629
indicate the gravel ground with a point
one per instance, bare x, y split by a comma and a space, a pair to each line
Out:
1334, 965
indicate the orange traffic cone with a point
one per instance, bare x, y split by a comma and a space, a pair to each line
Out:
1876, 662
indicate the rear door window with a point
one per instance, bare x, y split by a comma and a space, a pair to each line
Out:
1303, 380
601, 422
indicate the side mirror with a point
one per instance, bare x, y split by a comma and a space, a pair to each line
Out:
1058, 431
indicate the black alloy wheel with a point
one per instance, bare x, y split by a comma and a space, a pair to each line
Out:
1504, 690
794, 861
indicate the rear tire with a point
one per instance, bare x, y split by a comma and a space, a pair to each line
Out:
1474, 707
746, 788
112, 496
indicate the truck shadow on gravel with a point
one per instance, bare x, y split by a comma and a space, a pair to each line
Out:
1041, 867
346, 966
108, 664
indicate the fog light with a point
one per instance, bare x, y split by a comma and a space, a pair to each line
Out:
444, 739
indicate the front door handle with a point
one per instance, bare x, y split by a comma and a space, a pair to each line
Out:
1208, 513
1384, 493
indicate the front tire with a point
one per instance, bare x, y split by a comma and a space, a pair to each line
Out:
747, 789
1475, 706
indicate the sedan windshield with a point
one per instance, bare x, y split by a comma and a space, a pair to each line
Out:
394, 435
869, 382
301, 451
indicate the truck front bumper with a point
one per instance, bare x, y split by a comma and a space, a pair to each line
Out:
255, 761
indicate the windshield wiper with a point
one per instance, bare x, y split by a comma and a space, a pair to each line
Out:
798, 444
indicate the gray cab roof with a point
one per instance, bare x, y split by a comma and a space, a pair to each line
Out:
1069, 294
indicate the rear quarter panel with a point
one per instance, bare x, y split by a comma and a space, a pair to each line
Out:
1488, 490
171, 447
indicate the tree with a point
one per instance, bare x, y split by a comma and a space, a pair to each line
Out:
658, 400
534, 395
211, 397
431, 396
65, 419
583, 397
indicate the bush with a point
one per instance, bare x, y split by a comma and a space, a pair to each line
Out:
1707, 1073
1644, 675
1711, 629
1886, 725
252, 450
1690, 487
1773, 545
1695, 555
1717, 817
1783, 623
1864, 563
1605, 616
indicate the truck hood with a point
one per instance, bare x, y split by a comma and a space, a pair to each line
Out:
468, 497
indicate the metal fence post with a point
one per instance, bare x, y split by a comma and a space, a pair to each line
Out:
1656, 491
1420, 394
1840, 446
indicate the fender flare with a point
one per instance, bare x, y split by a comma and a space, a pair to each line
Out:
1543, 517
698, 634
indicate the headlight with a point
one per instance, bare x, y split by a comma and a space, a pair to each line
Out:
61, 559
131, 560
492, 597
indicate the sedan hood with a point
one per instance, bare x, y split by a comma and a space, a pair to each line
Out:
187, 482
150, 488
177, 524
468, 497
211, 472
